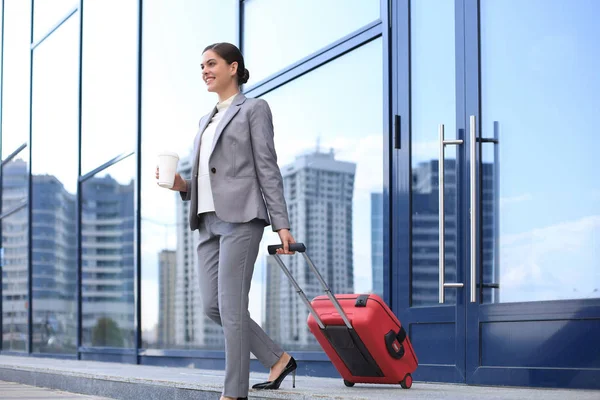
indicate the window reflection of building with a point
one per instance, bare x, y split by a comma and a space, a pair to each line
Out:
319, 193
377, 242
425, 231
192, 327
274, 279
15, 256
54, 261
490, 232
167, 266
107, 270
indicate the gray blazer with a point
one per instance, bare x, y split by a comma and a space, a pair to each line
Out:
244, 176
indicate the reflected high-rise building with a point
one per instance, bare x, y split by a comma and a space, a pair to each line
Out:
490, 232
272, 306
107, 259
54, 263
167, 271
319, 193
425, 231
192, 327
14, 256
107, 269
377, 242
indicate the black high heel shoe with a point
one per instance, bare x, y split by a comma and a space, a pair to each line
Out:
290, 367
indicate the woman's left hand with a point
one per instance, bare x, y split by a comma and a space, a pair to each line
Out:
286, 239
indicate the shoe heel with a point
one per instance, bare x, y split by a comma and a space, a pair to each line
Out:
294, 379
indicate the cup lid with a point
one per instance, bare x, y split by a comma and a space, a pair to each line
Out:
169, 153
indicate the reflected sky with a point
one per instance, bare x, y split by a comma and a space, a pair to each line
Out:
270, 47
540, 82
15, 82
109, 81
55, 123
47, 13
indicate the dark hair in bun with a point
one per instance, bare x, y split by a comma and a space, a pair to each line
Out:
244, 78
231, 54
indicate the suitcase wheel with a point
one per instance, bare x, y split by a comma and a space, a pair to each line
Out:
348, 383
407, 382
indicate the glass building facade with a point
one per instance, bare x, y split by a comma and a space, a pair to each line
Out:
432, 154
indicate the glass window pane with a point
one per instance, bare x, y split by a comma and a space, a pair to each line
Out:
377, 243
107, 259
1, 38
539, 88
14, 255
332, 164
109, 113
174, 99
354, 176
48, 13
296, 29
15, 102
55, 134
433, 102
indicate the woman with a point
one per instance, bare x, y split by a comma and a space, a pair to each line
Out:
235, 180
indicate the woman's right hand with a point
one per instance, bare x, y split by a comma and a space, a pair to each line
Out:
179, 184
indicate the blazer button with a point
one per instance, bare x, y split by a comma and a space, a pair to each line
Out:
213, 170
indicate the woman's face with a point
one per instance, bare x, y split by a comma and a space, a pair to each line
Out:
216, 73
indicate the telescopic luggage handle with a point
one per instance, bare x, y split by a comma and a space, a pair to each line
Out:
301, 248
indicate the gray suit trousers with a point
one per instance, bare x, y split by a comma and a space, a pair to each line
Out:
226, 254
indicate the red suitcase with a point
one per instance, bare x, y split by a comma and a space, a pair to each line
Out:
359, 333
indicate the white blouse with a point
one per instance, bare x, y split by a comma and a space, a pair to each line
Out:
205, 197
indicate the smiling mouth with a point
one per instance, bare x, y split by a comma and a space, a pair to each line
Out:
209, 80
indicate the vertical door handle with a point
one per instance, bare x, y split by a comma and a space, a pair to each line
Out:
496, 190
442, 241
473, 209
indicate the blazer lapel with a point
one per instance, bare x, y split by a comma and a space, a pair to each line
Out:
229, 114
203, 125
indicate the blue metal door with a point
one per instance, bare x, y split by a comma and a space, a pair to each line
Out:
532, 211
494, 135
429, 135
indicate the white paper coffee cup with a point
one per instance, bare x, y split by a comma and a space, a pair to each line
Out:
167, 167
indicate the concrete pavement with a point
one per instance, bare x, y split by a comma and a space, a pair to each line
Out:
135, 382
11, 390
